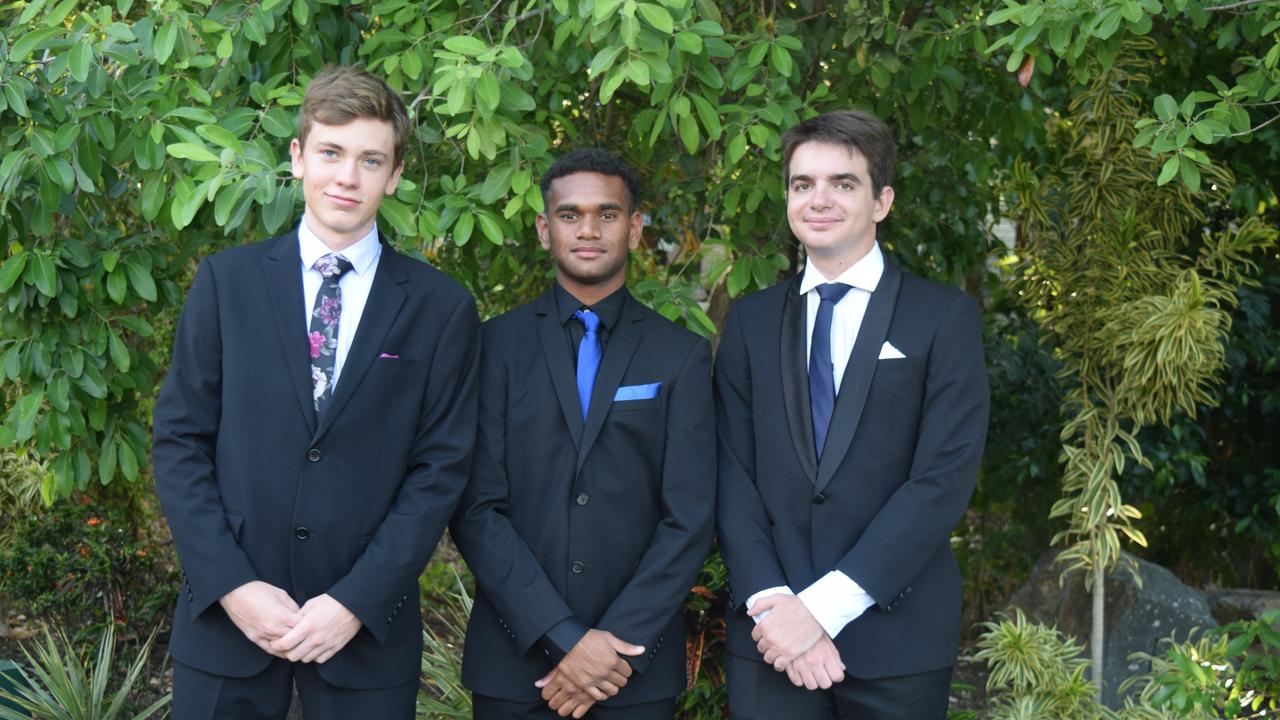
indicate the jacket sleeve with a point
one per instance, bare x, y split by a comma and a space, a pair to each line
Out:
746, 541
437, 469
186, 418
918, 517
670, 564
505, 569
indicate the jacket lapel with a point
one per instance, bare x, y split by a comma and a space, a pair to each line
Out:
385, 298
623, 341
559, 364
283, 268
795, 379
852, 397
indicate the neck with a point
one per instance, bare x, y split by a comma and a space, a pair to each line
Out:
589, 294
338, 242
831, 264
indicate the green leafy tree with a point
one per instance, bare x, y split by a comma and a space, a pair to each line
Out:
1134, 290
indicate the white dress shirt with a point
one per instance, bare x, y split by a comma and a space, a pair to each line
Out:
355, 283
834, 599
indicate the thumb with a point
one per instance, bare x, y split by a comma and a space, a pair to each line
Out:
625, 648
542, 682
764, 604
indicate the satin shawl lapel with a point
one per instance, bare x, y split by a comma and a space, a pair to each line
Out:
852, 397
283, 268
385, 298
559, 364
795, 378
623, 341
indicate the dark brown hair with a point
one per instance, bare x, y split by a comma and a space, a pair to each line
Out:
852, 129
339, 95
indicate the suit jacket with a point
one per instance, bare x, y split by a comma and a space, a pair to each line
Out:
607, 522
900, 462
352, 505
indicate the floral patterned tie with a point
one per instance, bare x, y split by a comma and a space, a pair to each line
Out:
323, 336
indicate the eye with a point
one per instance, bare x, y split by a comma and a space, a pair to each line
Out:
373, 162
844, 186
608, 215
568, 216
800, 186
328, 154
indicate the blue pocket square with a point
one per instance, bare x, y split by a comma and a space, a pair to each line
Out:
637, 392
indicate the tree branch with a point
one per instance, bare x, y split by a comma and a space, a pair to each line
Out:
1256, 128
529, 15
1234, 6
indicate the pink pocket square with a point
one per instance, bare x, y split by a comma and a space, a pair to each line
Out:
388, 356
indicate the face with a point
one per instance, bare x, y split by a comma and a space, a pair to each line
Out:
830, 205
589, 232
345, 171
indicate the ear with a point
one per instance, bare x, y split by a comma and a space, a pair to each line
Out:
637, 230
295, 158
544, 233
394, 180
883, 203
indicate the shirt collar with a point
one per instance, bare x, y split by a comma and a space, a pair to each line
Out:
608, 309
864, 274
361, 254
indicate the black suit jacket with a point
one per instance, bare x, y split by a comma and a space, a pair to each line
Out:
606, 522
900, 463
256, 489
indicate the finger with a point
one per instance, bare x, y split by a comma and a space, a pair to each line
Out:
582, 709
324, 657
757, 633
617, 680
794, 676
542, 681
822, 678
315, 652
764, 603
596, 693
810, 682
608, 688
623, 668
558, 698
625, 648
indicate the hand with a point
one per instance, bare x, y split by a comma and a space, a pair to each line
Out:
820, 667
595, 665
324, 628
262, 611
787, 633
564, 697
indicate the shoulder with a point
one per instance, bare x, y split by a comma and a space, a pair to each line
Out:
934, 296
770, 297
251, 253
659, 330
516, 325
426, 279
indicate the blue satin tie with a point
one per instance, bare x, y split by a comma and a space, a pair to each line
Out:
588, 358
822, 378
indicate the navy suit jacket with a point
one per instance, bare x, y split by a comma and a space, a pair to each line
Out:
255, 488
900, 462
606, 521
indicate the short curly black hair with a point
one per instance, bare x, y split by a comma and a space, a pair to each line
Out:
597, 161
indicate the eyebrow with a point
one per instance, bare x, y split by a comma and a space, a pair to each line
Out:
838, 176
328, 144
570, 207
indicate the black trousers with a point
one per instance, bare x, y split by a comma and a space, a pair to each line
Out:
758, 692
198, 695
489, 708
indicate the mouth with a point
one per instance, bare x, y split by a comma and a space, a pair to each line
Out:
821, 222
588, 251
342, 201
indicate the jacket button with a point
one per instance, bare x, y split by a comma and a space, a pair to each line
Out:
819, 499
578, 567
313, 455
302, 533
583, 499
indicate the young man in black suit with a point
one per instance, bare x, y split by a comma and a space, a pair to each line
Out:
852, 410
312, 438
590, 508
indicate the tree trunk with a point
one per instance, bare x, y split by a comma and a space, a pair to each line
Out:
1098, 635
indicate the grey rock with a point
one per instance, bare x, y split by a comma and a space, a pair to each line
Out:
1235, 604
1138, 619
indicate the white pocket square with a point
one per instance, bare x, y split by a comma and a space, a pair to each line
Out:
889, 352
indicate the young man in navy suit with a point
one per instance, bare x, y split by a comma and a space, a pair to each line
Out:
852, 410
312, 438
590, 509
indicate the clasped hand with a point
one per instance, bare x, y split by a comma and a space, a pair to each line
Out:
792, 641
270, 618
594, 670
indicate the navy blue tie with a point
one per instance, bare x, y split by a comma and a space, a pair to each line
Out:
588, 357
822, 378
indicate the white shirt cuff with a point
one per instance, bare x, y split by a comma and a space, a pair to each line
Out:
835, 600
778, 590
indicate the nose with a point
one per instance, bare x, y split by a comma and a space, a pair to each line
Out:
587, 228
348, 175
820, 198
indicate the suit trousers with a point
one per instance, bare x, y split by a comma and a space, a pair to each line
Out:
198, 695
488, 708
758, 692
